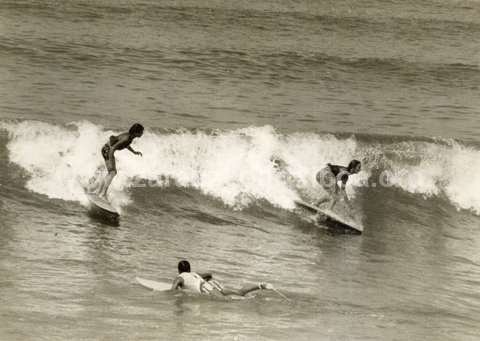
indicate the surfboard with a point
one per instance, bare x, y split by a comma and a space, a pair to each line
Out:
101, 204
331, 216
153, 285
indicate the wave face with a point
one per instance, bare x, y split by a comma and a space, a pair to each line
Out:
235, 166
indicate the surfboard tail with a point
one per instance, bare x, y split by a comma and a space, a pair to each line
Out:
153, 285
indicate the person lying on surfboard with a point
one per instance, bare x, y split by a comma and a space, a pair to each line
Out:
115, 143
331, 176
205, 284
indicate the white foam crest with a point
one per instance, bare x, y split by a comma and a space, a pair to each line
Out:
59, 160
440, 169
234, 166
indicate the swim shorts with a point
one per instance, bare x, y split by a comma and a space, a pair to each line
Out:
327, 180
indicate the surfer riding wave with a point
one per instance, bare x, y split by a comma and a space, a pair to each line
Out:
115, 143
333, 179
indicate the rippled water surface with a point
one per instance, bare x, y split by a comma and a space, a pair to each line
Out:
221, 88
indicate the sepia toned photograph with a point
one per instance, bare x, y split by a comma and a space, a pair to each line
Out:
267, 170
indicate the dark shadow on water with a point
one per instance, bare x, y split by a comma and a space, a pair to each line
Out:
102, 216
336, 227
328, 227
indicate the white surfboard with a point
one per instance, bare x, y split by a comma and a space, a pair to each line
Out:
331, 216
101, 203
153, 285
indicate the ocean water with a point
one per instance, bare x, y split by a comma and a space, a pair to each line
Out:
223, 87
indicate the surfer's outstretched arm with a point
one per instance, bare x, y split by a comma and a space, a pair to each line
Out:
134, 151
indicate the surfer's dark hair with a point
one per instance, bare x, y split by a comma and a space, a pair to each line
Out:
137, 128
183, 266
353, 164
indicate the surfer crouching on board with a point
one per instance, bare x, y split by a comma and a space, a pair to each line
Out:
330, 177
204, 284
115, 143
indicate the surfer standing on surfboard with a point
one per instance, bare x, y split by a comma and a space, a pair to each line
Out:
115, 143
204, 283
330, 177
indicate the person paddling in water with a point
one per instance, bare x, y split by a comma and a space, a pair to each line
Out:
205, 284
333, 179
115, 143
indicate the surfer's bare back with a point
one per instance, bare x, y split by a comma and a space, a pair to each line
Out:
115, 143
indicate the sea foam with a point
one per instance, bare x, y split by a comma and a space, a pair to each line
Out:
236, 166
